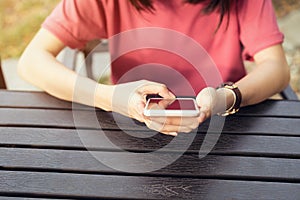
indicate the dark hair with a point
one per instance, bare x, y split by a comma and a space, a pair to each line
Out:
222, 6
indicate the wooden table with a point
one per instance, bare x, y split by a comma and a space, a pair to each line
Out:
43, 154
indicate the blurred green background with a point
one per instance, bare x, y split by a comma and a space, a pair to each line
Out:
20, 20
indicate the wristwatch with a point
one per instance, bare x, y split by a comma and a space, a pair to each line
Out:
237, 98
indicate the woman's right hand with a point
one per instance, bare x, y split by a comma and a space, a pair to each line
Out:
129, 99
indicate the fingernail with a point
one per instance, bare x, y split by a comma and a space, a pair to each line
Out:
202, 116
172, 95
173, 134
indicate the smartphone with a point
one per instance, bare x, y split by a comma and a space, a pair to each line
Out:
179, 107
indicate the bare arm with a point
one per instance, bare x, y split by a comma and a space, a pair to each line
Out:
270, 76
39, 66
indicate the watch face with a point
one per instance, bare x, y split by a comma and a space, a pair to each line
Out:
229, 85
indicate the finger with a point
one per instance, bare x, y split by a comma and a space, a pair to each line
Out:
202, 117
205, 113
178, 129
156, 88
176, 121
168, 128
140, 107
170, 133
137, 112
164, 103
137, 116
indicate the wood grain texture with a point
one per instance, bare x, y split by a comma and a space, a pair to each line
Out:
20, 99
279, 108
112, 121
31, 100
44, 154
273, 108
188, 165
108, 186
95, 139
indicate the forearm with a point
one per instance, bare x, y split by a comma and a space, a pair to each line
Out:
267, 79
270, 76
43, 70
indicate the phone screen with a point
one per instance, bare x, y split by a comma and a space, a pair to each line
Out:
171, 107
167, 104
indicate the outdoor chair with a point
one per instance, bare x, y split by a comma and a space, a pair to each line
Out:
70, 55
2, 81
289, 94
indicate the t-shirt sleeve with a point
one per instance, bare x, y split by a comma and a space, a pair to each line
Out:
75, 22
258, 26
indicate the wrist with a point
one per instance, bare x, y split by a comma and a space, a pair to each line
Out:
103, 97
227, 96
233, 98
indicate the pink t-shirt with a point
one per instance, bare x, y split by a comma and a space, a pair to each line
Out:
175, 44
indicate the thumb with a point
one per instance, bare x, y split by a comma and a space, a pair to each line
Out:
206, 99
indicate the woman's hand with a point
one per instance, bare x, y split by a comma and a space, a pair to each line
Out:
209, 100
206, 100
270, 76
212, 101
129, 99
172, 125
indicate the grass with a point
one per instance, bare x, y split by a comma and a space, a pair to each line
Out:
20, 20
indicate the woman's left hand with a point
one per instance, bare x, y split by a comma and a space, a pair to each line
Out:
210, 102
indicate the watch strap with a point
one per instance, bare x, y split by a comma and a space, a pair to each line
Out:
237, 98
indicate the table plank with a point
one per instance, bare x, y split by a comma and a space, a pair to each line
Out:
42, 156
18, 99
106, 120
278, 108
24, 198
216, 167
75, 186
275, 146
272, 108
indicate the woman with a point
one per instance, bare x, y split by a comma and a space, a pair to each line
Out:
228, 31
